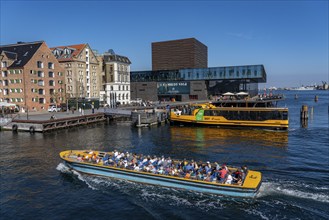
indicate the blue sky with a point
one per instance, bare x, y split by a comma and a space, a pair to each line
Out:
290, 38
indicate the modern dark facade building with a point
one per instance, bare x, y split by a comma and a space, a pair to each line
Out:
196, 83
180, 72
179, 54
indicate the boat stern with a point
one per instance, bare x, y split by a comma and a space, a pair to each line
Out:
253, 180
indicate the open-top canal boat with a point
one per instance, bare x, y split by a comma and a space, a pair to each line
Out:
189, 175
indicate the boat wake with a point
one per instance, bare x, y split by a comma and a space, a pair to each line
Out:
295, 189
65, 169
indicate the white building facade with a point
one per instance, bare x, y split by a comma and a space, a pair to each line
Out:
117, 79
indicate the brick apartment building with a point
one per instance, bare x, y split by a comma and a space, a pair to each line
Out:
31, 77
83, 78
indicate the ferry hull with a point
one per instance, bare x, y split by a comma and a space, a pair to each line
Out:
236, 125
249, 191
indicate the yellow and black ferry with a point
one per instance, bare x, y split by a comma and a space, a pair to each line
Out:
241, 113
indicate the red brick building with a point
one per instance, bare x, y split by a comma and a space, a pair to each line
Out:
31, 76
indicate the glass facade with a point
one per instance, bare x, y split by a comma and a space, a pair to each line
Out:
254, 73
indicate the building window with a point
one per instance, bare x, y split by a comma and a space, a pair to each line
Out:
4, 64
41, 83
50, 65
51, 74
41, 74
39, 64
4, 73
51, 83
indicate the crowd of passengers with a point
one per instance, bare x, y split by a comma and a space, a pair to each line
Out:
166, 166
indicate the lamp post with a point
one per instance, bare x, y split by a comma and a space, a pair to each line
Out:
67, 105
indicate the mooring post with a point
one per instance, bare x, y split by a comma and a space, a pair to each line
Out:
304, 116
139, 120
304, 112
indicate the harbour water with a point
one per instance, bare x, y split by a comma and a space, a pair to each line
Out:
35, 184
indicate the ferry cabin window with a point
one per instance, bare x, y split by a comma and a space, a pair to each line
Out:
248, 115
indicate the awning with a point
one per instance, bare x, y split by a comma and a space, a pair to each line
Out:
242, 93
228, 93
6, 104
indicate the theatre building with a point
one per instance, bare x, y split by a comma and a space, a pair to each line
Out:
180, 72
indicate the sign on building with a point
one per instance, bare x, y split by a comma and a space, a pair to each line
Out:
171, 88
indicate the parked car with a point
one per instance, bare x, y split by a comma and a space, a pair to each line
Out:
63, 107
53, 108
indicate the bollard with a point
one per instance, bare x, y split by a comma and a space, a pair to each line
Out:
316, 98
139, 120
304, 116
304, 112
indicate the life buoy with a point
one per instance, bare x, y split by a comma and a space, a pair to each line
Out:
15, 127
32, 129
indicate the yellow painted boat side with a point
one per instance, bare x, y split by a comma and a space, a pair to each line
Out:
220, 120
252, 180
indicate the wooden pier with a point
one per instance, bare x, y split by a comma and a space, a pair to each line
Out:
53, 124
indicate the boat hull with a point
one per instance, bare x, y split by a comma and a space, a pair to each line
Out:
260, 118
249, 189
236, 125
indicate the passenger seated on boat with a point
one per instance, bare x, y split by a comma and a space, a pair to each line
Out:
243, 175
208, 177
111, 162
193, 175
154, 170
161, 171
208, 167
222, 175
167, 170
120, 163
225, 167
79, 158
199, 176
105, 159
217, 166
88, 158
245, 169
188, 167
229, 178
94, 158
214, 173
136, 167
237, 176
187, 175
181, 173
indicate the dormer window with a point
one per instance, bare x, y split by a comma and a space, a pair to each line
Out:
4, 64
